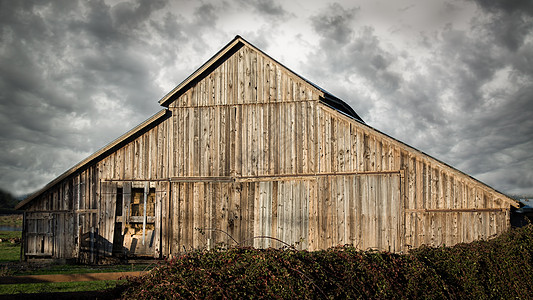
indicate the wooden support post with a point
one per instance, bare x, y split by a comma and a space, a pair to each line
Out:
78, 226
126, 201
92, 244
23, 246
146, 190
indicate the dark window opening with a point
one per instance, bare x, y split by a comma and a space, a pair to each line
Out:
137, 202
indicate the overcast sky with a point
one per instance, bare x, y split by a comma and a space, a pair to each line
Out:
450, 78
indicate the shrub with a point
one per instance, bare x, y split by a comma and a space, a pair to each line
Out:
499, 268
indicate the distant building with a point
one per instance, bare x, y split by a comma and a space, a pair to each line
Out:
246, 149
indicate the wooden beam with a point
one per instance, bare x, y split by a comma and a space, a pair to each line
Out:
444, 210
202, 179
145, 199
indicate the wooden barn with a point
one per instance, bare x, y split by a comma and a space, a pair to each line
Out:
246, 151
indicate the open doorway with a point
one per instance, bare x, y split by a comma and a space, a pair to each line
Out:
135, 213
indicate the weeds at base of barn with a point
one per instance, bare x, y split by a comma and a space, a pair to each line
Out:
497, 268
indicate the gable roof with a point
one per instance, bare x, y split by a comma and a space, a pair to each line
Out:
162, 114
200, 73
231, 48
504, 197
228, 50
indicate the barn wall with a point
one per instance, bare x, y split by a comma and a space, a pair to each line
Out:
76, 218
242, 120
251, 151
247, 77
59, 222
245, 140
223, 127
440, 205
248, 213
145, 157
280, 154
313, 212
233, 131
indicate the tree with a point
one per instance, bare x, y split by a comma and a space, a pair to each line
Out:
7, 201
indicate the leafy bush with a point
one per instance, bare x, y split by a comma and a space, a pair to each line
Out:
500, 268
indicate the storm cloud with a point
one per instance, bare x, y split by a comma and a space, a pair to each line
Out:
453, 79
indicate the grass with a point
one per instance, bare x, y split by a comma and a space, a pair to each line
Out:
11, 220
82, 269
52, 287
9, 252
5, 235
10, 266
83, 286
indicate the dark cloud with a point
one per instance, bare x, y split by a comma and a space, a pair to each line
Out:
510, 22
467, 111
97, 24
522, 63
76, 74
205, 16
126, 15
466, 100
507, 6
352, 55
260, 38
468, 63
511, 30
69, 72
334, 24
269, 9
502, 127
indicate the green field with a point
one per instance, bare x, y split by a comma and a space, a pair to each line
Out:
5, 235
81, 269
10, 265
11, 220
9, 252
52, 287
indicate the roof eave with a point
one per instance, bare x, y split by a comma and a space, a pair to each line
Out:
237, 42
95, 156
505, 198
229, 49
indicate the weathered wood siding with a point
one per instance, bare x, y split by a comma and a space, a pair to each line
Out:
251, 155
49, 224
439, 205
76, 218
310, 212
249, 117
359, 182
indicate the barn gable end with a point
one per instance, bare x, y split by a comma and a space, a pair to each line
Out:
249, 151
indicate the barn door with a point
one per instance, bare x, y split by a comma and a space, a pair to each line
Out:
39, 234
108, 192
281, 213
379, 209
363, 210
138, 220
86, 221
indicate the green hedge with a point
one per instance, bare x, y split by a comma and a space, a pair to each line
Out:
499, 268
